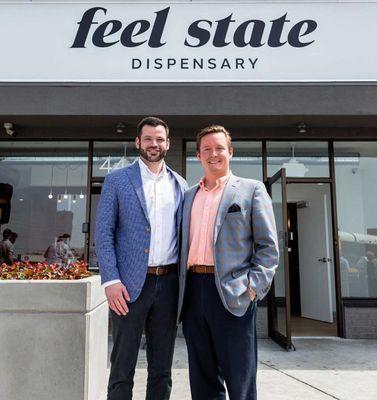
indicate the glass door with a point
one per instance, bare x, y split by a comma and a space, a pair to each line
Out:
279, 305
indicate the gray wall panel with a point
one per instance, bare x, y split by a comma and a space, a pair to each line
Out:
187, 99
360, 323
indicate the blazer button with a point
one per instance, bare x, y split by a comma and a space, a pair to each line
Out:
148, 229
146, 250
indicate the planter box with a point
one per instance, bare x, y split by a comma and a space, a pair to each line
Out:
54, 339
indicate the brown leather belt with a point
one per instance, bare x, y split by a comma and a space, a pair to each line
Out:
162, 270
202, 269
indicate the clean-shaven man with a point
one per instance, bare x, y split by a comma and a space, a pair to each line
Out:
138, 220
228, 259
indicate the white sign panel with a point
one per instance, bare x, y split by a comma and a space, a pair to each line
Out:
188, 42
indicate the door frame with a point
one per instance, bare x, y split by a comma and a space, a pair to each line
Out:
299, 182
335, 248
278, 337
94, 188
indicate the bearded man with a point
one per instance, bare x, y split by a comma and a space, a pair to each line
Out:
138, 220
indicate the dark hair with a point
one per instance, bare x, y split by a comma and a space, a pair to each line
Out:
65, 236
6, 233
151, 121
213, 129
13, 235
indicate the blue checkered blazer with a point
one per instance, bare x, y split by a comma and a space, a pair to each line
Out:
123, 229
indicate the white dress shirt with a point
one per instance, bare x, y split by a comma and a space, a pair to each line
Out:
162, 199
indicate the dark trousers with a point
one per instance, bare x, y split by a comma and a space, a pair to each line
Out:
156, 310
221, 347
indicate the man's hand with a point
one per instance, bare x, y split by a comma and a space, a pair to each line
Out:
116, 296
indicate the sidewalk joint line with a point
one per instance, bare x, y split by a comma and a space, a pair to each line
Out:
299, 380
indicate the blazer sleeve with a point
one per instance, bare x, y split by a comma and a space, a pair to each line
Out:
265, 258
106, 222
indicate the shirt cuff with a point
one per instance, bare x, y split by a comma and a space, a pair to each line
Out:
109, 283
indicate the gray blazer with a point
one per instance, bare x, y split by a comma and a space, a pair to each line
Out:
245, 243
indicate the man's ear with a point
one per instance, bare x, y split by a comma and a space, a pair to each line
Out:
137, 143
167, 144
198, 155
231, 152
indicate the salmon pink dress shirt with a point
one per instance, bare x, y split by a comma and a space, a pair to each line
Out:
202, 223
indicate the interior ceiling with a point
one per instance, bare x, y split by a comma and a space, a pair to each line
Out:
194, 122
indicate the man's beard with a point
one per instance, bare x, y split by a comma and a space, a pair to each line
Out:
143, 153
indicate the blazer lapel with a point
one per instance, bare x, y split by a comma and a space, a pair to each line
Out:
180, 198
134, 174
179, 211
225, 202
189, 200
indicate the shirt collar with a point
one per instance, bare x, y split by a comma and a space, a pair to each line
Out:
147, 173
220, 183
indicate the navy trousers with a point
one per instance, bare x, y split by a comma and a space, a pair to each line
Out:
156, 309
221, 347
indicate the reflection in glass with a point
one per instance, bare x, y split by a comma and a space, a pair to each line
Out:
246, 161
109, 156
300, 159
47, 179
279, 323
356, 187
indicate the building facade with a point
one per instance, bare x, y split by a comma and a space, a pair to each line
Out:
295, 84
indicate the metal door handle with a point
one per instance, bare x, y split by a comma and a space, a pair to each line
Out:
324, 259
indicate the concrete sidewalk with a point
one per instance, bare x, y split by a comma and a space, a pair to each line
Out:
320, 369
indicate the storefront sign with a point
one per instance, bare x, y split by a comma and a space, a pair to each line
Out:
187, 42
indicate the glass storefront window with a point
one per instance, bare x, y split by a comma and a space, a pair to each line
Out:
356, 191
300, 159
246, 161
108, 156
48, 181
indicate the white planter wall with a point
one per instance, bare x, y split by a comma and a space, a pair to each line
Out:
54, 337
